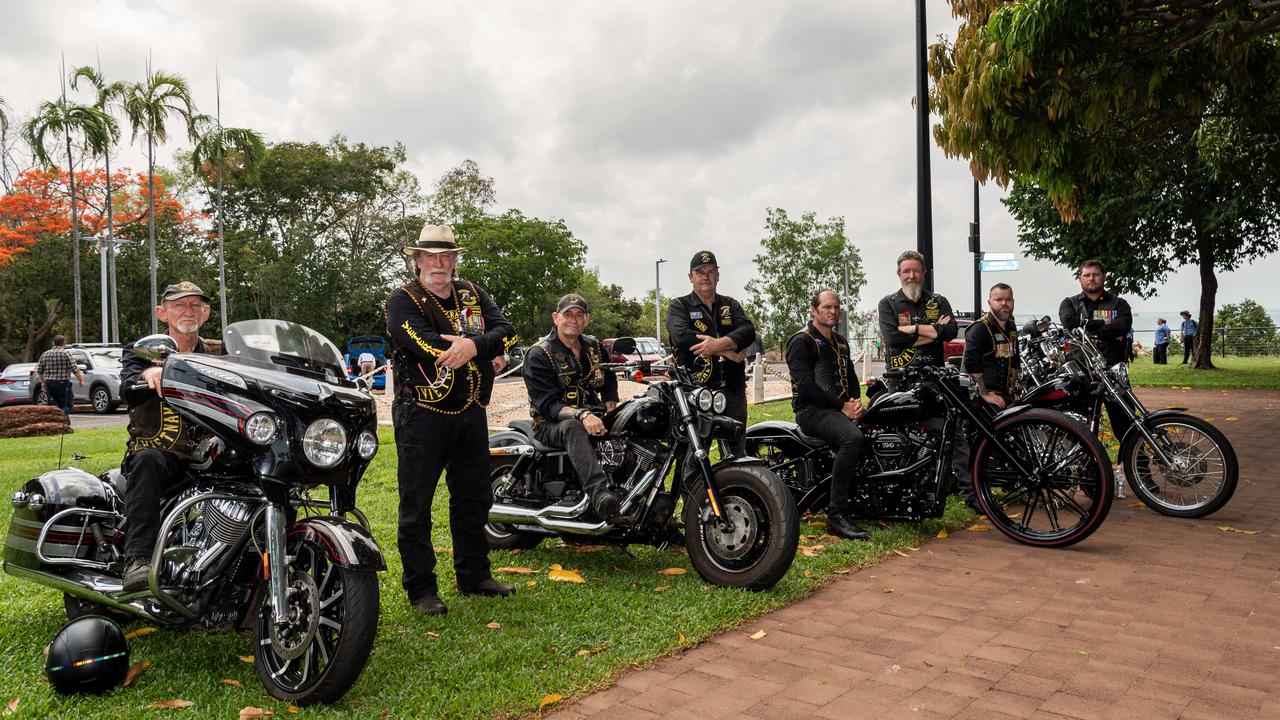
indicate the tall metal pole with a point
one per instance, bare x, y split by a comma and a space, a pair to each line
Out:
657, 299
75, 216
111, 245
975, 246
924, 207
222, 262
103, 246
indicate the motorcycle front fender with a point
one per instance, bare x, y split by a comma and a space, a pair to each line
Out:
1010, 412
349, 544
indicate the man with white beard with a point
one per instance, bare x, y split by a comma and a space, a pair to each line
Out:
913, 322
991, 349
160, 442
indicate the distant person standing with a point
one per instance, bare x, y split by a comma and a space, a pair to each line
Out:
367, 363
1188, 335
1160, 354
54, 370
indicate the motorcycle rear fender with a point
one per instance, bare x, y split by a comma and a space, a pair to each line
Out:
348, 543
784, 432
507, 437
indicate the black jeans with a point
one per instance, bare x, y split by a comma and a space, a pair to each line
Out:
843, 435
1160, 354
428, 442
1187, 344
59, 392
151, 473
573, 438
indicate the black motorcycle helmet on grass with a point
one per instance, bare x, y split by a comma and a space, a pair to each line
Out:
88, 655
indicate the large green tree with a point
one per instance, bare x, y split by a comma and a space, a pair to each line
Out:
149, 105
1247, 329
799, 256
1076, 98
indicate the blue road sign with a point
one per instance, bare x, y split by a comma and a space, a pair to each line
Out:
999, 265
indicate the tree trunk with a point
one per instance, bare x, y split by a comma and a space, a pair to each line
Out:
1202, 353
37, 335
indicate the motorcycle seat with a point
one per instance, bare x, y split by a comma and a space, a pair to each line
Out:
525, 427
811, 441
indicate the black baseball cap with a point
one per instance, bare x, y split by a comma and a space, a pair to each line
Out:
702, 257
572, 300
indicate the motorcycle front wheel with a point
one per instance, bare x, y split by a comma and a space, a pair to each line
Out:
1201, 478
756, 543
1070, 487
319, 652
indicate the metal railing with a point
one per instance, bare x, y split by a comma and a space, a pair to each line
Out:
1236, 341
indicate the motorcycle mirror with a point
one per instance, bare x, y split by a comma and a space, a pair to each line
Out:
624, 346
155, 347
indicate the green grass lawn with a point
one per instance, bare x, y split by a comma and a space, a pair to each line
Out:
454, 666
1232, 372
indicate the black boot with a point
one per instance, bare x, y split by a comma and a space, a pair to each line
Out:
137, 573
841, 525
606, 505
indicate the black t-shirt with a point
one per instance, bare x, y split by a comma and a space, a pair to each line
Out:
896, 310
1077, 310
557, 378
688, 317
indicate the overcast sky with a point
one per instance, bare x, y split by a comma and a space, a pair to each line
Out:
654, 129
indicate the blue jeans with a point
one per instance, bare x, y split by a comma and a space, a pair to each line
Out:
59, 392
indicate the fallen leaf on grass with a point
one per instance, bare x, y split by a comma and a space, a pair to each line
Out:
134, 672
12, 707
530, 583
899, 552
681, 639
246, 659
819, 523
255, 712
494, 626
558, 573
759, 634
294, 709
232, 683
433, 634
515, 571
810, 550
170, 704
662, 588
139, 632
549, 700
673, 571
445, 550
592, 651
843, 571
977, 528
942, 534
808, 574
1228, 528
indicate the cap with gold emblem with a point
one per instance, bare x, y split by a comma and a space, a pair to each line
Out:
186, 288
572, 300
703, 257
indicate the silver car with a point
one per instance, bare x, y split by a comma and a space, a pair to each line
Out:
14, 381
101, 368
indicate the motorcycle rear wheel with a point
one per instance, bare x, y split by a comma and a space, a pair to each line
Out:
319, 654
1203, 477
759, 547
507, 537
1069, 493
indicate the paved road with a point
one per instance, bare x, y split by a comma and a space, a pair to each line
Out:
1151, 617
84, 418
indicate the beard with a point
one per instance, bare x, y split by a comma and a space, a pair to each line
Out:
186, 327
912, 290
1002, 315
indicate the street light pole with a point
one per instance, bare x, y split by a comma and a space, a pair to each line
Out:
924, 207
657, 299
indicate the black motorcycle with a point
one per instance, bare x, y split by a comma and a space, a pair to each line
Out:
242, 543
1176, 463
1040, 477
740, 524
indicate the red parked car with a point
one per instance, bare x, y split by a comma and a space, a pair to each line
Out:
647, 348
955, 348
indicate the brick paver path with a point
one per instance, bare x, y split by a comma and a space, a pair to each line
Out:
1151, 617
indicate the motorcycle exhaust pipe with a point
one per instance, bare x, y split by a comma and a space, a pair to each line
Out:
71, 587
553, 518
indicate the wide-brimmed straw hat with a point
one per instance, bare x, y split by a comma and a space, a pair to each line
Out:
433, 239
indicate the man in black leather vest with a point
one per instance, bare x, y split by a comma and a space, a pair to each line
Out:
991, 349
568, 394
1108, 318
826, 397
448, 335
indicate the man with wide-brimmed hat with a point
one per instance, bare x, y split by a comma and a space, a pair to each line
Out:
160, 442
709, 334
569, 392
446, 334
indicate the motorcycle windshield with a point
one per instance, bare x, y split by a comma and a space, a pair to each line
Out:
285, 344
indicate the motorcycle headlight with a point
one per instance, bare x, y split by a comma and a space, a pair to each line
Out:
367, 444
324, 443
1120, 373
718, 402
261, 428
703, 397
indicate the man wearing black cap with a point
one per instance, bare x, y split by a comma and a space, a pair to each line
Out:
160, 442
710, 334
568, 393
445, 334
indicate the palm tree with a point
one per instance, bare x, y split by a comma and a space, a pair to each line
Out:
217, 145
97, 130
148, 105
109, 95
4, 144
